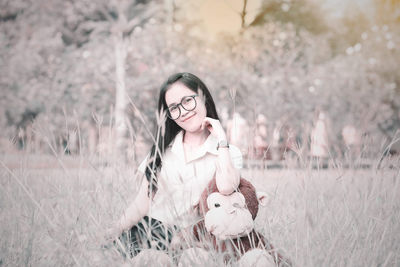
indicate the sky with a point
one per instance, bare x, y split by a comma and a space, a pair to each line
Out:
222, 15
338, 7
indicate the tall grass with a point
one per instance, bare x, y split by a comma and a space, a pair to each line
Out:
56, 215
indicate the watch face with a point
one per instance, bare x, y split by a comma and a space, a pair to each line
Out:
223, 143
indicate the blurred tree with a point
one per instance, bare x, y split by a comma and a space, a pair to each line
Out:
116, 19
66, 60
60, 58
210, 18
124, 26
29, 61
171, 8
303, 14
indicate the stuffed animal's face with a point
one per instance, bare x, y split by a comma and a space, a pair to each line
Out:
231, 216
228, 216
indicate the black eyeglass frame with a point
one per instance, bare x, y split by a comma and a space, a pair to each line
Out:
180, 104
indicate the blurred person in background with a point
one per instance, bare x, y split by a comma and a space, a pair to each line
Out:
320, 143
352, 139
238, 132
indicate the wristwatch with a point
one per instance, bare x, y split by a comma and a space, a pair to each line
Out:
223, 144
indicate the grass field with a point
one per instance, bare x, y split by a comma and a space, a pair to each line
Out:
53, 212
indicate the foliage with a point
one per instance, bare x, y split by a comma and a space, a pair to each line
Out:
303, 14
60, 67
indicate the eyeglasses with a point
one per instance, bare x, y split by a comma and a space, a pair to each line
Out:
188, 103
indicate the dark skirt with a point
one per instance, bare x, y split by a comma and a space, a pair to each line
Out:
148, 233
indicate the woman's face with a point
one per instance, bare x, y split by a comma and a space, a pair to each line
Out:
189, 121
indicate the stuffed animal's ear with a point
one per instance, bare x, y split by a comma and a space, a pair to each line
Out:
262, 198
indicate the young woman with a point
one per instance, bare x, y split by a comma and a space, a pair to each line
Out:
192, 150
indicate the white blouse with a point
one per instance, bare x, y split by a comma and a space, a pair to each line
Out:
181, 181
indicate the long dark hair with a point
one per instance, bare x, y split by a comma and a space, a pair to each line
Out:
171, 128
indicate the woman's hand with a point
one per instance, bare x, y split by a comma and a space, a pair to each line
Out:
215, 128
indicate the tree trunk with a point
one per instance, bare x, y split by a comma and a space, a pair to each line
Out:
243, 14
170, 7
120, 95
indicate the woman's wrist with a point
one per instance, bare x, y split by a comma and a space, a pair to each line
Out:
222, 144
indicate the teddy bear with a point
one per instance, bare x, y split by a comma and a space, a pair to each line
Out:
227, 226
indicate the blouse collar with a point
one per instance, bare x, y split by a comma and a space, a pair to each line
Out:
210, 146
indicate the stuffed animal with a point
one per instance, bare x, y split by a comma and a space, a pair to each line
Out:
228, 226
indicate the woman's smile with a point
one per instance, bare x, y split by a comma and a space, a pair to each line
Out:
189, 117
